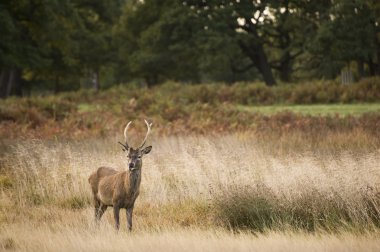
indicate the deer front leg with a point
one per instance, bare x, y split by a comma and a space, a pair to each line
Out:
116, 211
129, 218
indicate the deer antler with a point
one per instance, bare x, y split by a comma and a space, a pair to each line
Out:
126, 145
148, 125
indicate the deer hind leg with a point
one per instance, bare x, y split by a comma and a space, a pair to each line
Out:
96, 205
99, 210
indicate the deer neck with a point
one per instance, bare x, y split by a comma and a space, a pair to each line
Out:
132, 181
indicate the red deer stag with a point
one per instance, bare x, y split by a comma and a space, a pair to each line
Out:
119, 189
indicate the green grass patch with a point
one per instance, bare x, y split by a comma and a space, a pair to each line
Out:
86, 107
316, 109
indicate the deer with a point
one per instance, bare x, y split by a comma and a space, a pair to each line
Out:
119, 189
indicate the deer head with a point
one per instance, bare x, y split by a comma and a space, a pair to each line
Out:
135, 154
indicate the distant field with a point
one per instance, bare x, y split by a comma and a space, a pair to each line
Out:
315, 109
199, 109
306, 109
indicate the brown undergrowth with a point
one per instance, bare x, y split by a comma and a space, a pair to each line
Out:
179, 109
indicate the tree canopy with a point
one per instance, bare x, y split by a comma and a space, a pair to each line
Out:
64, 45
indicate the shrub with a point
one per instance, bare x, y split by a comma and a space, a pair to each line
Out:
367, 90
261, 209
254, 94
314, 92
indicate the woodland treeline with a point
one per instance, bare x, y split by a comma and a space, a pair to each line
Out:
58, 45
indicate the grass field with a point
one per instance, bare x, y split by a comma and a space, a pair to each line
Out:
224, 174
87, 238
316, 109
198, 193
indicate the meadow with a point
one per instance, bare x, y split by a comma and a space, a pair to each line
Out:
218, 177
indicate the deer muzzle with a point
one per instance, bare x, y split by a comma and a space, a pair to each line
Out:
133, 166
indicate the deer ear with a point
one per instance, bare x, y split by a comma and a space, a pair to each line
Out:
146, 150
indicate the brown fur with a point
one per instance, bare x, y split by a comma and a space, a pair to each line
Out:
118, 189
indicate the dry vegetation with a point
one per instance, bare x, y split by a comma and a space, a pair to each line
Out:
219, 177
63, 238
184, 109
203, 193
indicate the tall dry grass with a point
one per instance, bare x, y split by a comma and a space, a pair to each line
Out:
208, 171
201, 186
28, 238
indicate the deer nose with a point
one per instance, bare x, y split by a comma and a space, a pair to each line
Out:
131, 165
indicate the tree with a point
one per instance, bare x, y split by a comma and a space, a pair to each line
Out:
18, 47
220, 58
257, 27
54, 41
348, 34
96, 20
36, 44
373, 60
157, 41
245, 22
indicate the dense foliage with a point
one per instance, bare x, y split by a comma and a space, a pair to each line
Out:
65, 45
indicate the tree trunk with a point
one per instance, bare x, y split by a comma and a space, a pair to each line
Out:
260, 60
56, 85
285, 67
15, 86
264, 68
95, 80
360, 68
3, 83
285, 74
10, 82
377, 70
372, 67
